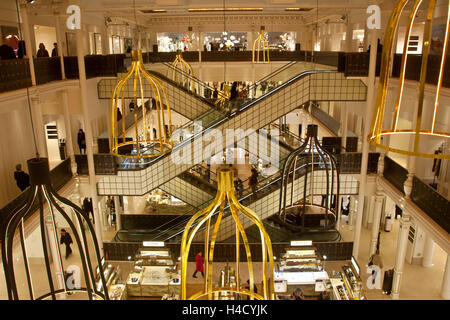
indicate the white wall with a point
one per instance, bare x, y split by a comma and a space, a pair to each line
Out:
45, 35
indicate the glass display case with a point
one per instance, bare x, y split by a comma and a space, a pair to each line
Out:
155, 274
116, 290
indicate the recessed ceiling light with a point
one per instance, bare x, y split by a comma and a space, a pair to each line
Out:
224, 9
153, 11
298, 9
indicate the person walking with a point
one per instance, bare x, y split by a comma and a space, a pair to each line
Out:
22, 178
253, 181
82, 141
42, 52
198, 265
67, 240
55, 50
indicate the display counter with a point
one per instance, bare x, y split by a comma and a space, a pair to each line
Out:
300, 267
116, 290
347, 285
154, 275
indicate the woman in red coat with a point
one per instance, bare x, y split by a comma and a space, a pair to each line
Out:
198, 265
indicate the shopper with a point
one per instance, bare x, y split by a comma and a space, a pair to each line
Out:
55, 50
253, 181
297, 294
238, 185
22, 178
42, 52
82, 141
88, 209
6, 51
198, 265
67, 240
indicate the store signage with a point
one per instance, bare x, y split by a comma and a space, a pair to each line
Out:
301, 243
374, 20
74, 20
153, 243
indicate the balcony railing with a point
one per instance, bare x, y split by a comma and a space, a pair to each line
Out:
14, 74
424, 196
47, 69
59, 176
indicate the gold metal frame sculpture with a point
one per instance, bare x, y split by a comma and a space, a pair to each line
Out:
203, 217
138, 75
184, 66
260, 46
421, 136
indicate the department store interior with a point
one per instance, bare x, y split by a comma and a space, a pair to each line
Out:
224, 150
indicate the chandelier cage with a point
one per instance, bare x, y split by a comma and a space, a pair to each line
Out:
61, 211
183, 77
299, 199
225, 194
260, 50
425, 133
145, 91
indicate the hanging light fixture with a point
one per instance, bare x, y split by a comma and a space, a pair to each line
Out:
185, 68
320, 175
260, 51
225, 193
142, 143
39, 194
424, 134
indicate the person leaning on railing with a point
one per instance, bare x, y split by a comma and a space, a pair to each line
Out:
6, 51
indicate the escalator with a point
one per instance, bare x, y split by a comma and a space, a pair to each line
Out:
310, 82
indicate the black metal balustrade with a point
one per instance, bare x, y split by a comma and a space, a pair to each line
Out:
226, 252
431, 202
105, 164
395, 173
14, 74
47, 69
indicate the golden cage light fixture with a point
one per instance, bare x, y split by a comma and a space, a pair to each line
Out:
425, 129
136, 84
182, 65
226, 192
260, 51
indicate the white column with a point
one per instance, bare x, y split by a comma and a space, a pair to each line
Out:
376, 223
349, 37
445, 290
401, 253
428, 250
89, 138
67, 124
344, 124
60, 41
39, 128
55, 253
365, 146
27, 38
118, 212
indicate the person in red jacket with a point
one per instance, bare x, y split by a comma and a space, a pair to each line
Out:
198, 265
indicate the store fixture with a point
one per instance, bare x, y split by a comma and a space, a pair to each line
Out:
425, 131
260, 50
320, 175
203, 218
39, 194
347, 285
111, 273
301, 266
155, 273
185, 68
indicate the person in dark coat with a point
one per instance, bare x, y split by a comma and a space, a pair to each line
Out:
67, 240
253, 181
42, 52
55, 50
6, 52
82, 141
22, 178
247, 286
198, 265
88, 208
234, 91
